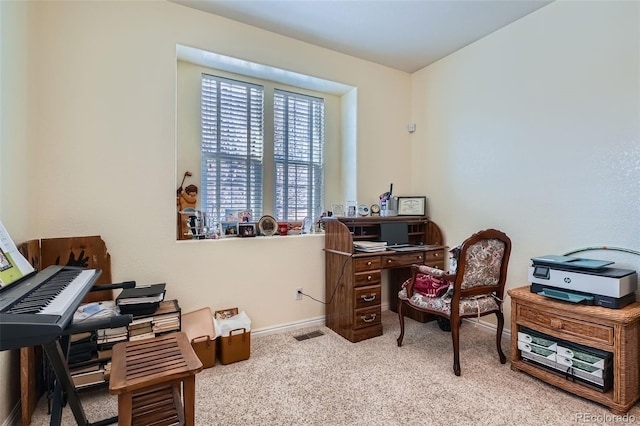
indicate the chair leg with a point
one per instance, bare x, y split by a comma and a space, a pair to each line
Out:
455, 336
503, 359
401, 317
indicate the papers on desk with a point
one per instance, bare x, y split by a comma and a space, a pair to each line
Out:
370, 246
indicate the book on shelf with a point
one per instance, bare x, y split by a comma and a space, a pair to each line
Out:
112, 339
143, 336
167, 307
81, 337
89, 378
370, 246
88, 368
140, 323
105, 353
141, 330
166, 326
106, 332
143, 294
107, 371
164, 319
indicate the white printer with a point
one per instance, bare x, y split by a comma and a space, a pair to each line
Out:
586, 281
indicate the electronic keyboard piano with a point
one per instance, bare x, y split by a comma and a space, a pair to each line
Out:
37, 308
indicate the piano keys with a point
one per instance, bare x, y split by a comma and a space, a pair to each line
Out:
36, 309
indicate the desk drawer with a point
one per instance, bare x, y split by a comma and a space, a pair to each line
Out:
586, 330
366, 278
404, 259
367, 263
367, 317
434, 256
367, 296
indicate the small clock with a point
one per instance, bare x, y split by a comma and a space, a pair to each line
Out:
375, 210
363, 210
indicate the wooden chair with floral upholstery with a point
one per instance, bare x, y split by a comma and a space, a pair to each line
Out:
476, 289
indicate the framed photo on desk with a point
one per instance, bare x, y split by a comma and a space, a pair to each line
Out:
412, 206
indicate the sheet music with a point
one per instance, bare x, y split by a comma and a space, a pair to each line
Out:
13, 264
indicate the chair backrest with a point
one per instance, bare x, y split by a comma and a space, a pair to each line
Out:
482, 264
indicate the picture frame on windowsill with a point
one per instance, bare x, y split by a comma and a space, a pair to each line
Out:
246, 229
229, 229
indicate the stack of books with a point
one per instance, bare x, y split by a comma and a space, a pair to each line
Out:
370, 246
165, 319
82, 347
143, 300
88, 375
107, 337
141, 328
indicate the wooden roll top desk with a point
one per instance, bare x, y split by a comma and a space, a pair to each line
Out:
353, 288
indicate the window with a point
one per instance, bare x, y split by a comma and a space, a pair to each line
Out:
233, 144
298, 155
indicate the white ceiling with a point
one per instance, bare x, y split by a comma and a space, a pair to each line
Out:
403, 34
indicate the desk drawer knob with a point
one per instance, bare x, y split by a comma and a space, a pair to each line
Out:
368, 298
370, 318
369, 277
556, 323
419, 257
369, 263
389, 261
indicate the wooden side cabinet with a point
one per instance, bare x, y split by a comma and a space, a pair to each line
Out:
612, 330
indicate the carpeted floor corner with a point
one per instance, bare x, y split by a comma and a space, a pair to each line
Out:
327, 380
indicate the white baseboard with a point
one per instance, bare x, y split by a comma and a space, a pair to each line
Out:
320, 321
310, 322
14, 416
505, 333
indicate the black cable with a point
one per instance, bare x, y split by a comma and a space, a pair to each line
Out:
334, 289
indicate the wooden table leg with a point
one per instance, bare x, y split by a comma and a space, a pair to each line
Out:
125, 407
189, 389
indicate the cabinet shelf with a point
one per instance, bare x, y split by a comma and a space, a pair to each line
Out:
612, 330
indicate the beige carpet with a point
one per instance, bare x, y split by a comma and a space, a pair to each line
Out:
328, 380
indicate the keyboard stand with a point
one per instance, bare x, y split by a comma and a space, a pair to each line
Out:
64, 389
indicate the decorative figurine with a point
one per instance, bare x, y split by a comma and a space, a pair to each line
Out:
187, 199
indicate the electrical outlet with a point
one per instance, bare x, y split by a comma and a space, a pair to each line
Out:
299, 293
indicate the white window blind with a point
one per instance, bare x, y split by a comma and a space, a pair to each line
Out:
232, 145
298, 155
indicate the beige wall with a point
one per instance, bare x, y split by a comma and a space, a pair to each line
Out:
534, 130
107, 100
18, 199
102, 98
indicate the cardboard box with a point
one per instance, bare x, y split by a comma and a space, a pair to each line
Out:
234, 347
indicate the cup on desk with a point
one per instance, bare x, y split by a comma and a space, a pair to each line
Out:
283, 228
